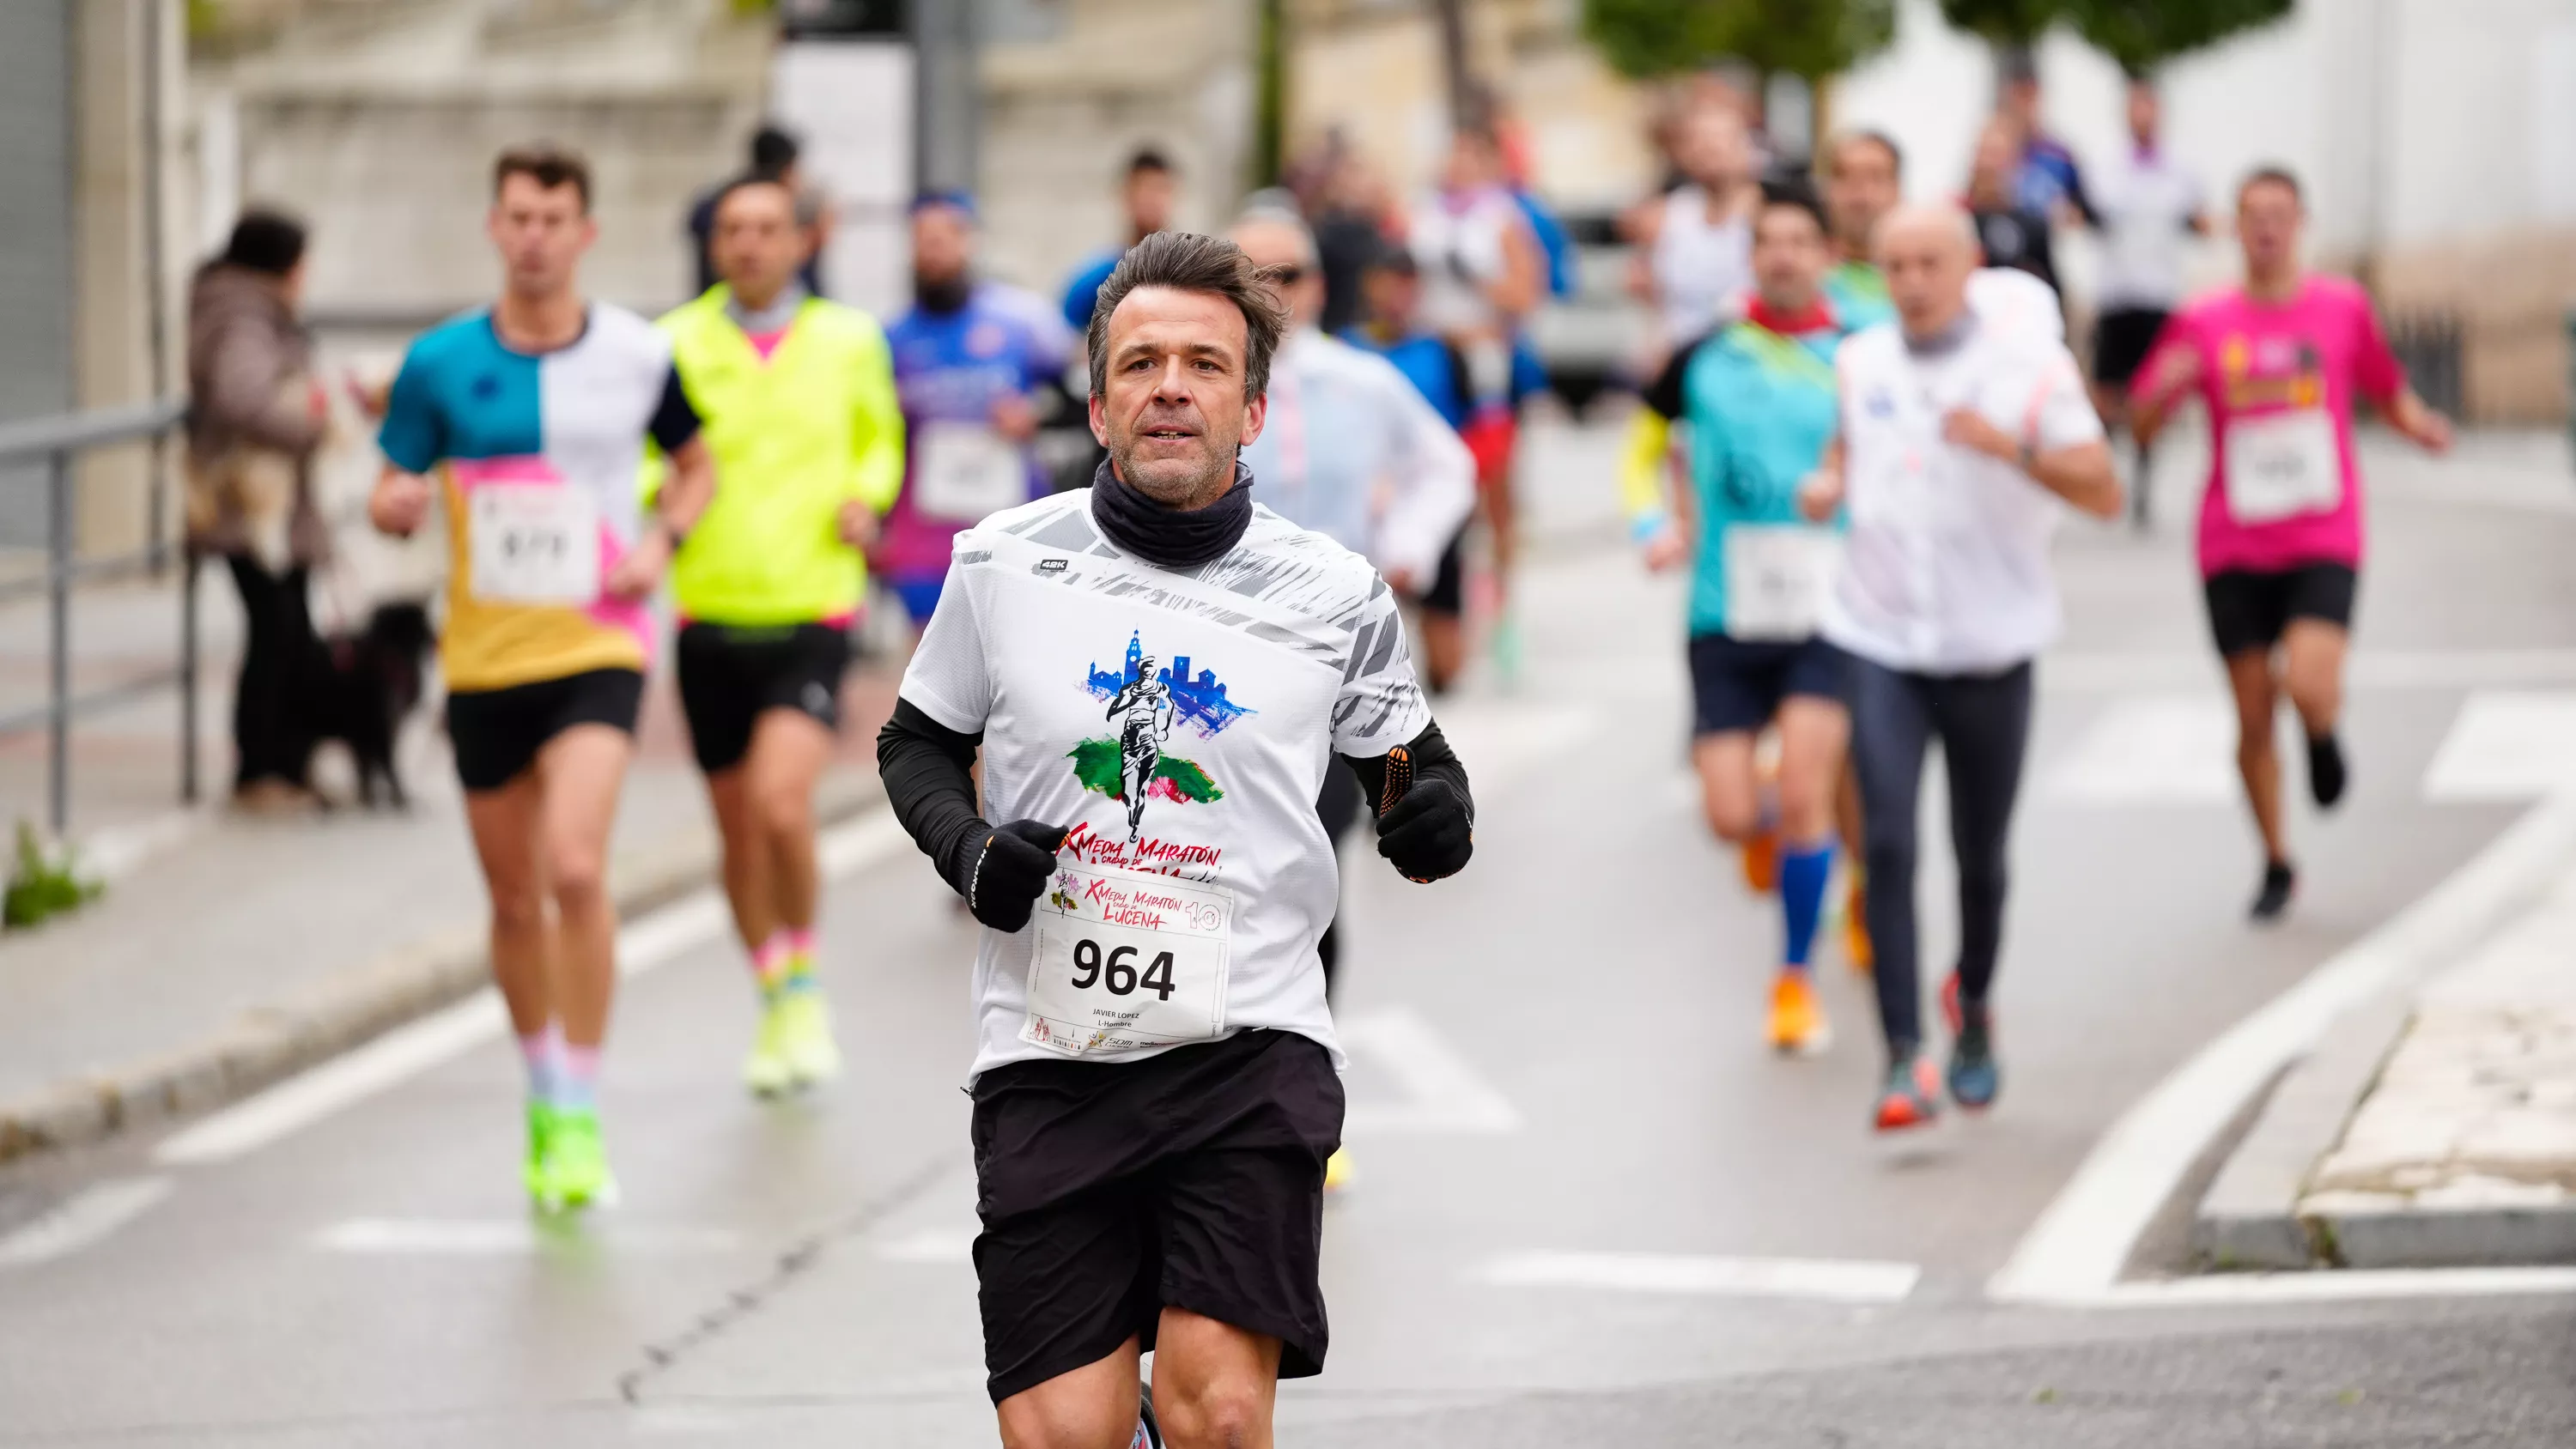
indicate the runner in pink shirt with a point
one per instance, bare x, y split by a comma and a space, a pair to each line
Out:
2279, 362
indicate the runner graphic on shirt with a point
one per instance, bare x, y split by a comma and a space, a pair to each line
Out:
1145, 701
1146, 704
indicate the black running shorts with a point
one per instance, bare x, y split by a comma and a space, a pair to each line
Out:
2249, 610
1110, 1190
498, 732
2122, 338
1738, 684
1448, 592
730, 675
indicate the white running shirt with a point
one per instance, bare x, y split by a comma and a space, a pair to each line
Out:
1945, 565
1283, 653
1352, 451
2146, 203
1702, 268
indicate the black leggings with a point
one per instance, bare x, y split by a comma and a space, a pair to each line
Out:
270, 738
1983, 722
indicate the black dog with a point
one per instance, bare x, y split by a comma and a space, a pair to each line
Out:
361, 687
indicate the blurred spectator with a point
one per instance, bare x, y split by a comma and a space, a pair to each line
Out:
1147, 193
2149, 208
1864, 177
1392, 287
2014, 235
2046, 179
971, 360
1482, 273
1700, 253
774, 157
256, 416
1352, 225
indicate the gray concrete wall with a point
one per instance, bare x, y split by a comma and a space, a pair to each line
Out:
35, 236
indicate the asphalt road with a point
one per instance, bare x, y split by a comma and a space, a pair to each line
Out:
1574, 1156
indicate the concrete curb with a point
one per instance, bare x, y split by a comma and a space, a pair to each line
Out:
2249, 1218
272, 1042
2419, 1237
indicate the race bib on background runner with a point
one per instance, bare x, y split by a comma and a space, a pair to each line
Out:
1127, 959
2282, 466
967, 472
1777, 576
533, 544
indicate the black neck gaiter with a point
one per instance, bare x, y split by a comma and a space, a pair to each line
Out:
1162, 535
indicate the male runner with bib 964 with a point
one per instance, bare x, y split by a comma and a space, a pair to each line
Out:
533, 414
1159, 672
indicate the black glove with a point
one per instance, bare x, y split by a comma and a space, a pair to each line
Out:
1010, 867
1427, 834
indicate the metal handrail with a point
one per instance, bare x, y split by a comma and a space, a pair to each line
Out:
55, 441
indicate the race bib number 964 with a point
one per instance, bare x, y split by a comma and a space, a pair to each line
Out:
1126, 959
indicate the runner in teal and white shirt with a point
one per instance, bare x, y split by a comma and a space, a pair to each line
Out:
1758, 399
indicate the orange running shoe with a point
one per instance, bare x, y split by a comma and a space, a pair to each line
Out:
1856, 947
1762, 862
1798, 1026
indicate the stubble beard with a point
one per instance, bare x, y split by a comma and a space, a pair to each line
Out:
1180, 483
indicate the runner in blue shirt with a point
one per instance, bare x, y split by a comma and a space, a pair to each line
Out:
968, 355
1392, 287
1147, 195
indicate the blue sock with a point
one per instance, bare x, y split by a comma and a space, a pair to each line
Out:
1804, 871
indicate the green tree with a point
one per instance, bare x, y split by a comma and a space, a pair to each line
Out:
1810, 39
2143, 34
2013, 24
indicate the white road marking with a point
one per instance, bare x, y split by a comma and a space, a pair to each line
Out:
405, 1052
2075, 1251
1823, 1279
1443, 1091
85, 1217
2152, 750
514, 1237
2506, 745
342, 1082
930, 1245
2329, 1285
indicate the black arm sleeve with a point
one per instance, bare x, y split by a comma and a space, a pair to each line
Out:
925, 766
1432, 759
675, 419
1664, 394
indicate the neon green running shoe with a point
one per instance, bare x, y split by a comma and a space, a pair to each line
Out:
794, 1049
767, 1071
805, 1036
541, 1121
576, 1170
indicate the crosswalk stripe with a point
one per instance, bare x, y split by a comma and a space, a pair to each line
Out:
1825, 1279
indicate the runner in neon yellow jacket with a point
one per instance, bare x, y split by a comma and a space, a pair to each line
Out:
798, 400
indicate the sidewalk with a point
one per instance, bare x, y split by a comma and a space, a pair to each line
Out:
230, 950
2434, 1124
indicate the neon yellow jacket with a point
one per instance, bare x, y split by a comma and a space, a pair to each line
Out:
793, 439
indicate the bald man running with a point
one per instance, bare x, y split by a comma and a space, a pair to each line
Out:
1961, 441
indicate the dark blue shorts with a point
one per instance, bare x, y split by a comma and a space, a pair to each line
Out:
1738, 684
